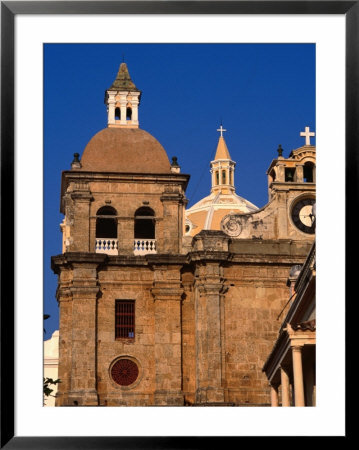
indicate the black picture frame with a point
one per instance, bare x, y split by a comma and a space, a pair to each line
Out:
9, 9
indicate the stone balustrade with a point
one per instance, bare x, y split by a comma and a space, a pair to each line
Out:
106, 245
144, 246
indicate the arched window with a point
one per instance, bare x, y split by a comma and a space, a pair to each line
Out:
217, 177
289, 174
118, 114
106, 226
308, 172
272, 175
145, 223
223, 177
129, 113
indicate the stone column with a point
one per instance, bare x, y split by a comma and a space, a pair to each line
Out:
213, 177
134, 103
123, 107
285, 387
299, 173
111, 113
111, 110
167, 294
274, 395
298, 376
280, 172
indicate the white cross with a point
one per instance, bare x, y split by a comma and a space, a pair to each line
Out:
221, 129
307, 134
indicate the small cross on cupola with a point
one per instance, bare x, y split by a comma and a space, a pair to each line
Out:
221, 130
307, 134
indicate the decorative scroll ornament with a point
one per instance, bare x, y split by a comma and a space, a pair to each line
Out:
231, 226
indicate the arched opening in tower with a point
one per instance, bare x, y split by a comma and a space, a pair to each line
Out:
308, 172
144, 223
118, 114
272, 175
106, 227
129, 113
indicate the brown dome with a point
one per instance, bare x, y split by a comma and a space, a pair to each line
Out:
125, 150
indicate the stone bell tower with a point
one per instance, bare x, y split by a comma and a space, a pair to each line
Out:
119, 288
292, 187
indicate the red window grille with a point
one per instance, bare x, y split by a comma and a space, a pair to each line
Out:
125, 319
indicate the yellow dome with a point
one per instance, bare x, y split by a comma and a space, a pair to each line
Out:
208, 212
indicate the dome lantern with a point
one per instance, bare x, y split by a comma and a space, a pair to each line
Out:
122, 100
222, 167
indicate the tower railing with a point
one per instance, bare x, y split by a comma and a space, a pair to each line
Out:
144, 246
106, 245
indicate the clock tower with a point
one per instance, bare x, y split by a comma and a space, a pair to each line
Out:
291, 191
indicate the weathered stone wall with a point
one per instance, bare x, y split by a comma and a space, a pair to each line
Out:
205, 323
126, 283
84, 196
273, 221
256, 296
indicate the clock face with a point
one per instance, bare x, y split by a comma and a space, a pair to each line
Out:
302, 215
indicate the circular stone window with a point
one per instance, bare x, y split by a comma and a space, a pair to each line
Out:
124, 372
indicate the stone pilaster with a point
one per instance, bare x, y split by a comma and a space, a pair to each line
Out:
209, 290
173, 204
299, 172
92, 243
167, 294
80, 224
210, 249
280, 172
282, 215
125, 234
64, 298
111, 109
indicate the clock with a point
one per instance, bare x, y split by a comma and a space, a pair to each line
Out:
303, 215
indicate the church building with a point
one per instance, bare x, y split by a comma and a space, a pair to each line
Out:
163, 305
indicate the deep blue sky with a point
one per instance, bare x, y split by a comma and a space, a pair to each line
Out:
264, 94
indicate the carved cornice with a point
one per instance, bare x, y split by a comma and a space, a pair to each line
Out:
173, 197
208, 255
64, 294
84, 291
82, 196
208, 286
167, 293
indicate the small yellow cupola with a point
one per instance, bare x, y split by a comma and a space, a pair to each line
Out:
222, 168
122, 100
223, 200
